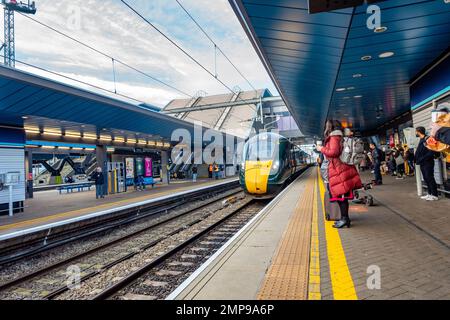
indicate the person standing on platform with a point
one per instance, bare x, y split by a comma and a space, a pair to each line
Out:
99, 179
425, 159
210, 171
216, 171
343, 178
400, 162
194, 174
376, 159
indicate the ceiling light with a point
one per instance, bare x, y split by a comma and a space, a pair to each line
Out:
86, 136
340, 89
386, 54
118, 139
50, 133
64, 148
72, 135
357, 75
380, 29
24, 118
345, 98
351, 88
357, 97
366, 58
36, 131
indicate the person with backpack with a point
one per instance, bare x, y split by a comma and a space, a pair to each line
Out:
377, 158
343, 178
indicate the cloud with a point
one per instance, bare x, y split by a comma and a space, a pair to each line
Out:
112, 28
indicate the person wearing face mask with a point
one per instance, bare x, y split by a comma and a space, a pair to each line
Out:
425, 159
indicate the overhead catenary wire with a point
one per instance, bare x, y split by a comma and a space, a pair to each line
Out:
107, 55
76, 80
177, 46
216, 46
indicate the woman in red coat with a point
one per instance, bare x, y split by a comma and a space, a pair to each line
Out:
343, 178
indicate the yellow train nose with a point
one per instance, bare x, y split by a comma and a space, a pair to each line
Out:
257, 176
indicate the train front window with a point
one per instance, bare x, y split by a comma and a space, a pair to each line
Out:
262, 147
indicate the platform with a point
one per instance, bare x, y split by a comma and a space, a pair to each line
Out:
50, 206
398, 249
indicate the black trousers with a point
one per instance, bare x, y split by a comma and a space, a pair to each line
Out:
377, 172
428, 175
344, 206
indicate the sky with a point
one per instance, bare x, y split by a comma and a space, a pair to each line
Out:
111, 27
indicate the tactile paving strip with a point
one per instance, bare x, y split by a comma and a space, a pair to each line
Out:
287, 278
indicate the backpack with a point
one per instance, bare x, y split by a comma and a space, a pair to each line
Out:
352, 151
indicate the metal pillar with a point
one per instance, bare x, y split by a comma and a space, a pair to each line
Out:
9, 53
418, 175
164, 170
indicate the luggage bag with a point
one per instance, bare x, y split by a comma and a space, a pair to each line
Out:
332, 209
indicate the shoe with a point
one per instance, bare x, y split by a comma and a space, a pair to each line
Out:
425, 197
432, 198
342, 223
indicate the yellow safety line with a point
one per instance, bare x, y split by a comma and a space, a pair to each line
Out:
89, 210
341, 278
314, 259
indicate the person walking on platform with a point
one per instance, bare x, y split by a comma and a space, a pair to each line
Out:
425, 159
342, 178
376, 159
99, 179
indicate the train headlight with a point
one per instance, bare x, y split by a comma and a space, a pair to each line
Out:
275, 167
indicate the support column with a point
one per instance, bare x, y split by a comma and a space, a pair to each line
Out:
102, 161
29, 174
164, 164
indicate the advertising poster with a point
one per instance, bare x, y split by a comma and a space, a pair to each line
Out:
129, 165
148, 167
139, 167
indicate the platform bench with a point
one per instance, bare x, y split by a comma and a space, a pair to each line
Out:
79, 187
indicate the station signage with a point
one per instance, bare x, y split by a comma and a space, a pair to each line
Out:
129, 166
148, 164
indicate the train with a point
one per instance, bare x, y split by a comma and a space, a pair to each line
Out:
269, 162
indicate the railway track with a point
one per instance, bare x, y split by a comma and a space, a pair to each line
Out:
160, 276
49, 282
29, 245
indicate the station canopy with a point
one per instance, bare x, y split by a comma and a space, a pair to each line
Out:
330, 64
44, 102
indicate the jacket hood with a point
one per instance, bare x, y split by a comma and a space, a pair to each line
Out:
336, 133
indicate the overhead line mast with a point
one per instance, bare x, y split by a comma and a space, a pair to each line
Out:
9, 46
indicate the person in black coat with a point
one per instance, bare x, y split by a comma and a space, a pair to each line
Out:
99, 179
376, 158
425, 159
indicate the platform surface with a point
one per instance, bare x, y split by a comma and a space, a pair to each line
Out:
397, 249
50, 206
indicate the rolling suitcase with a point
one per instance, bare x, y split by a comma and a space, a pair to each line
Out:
332, 210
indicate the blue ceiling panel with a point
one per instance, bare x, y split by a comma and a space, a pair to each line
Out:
315, 60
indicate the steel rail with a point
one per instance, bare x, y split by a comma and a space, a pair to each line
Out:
112, 290
109, 244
